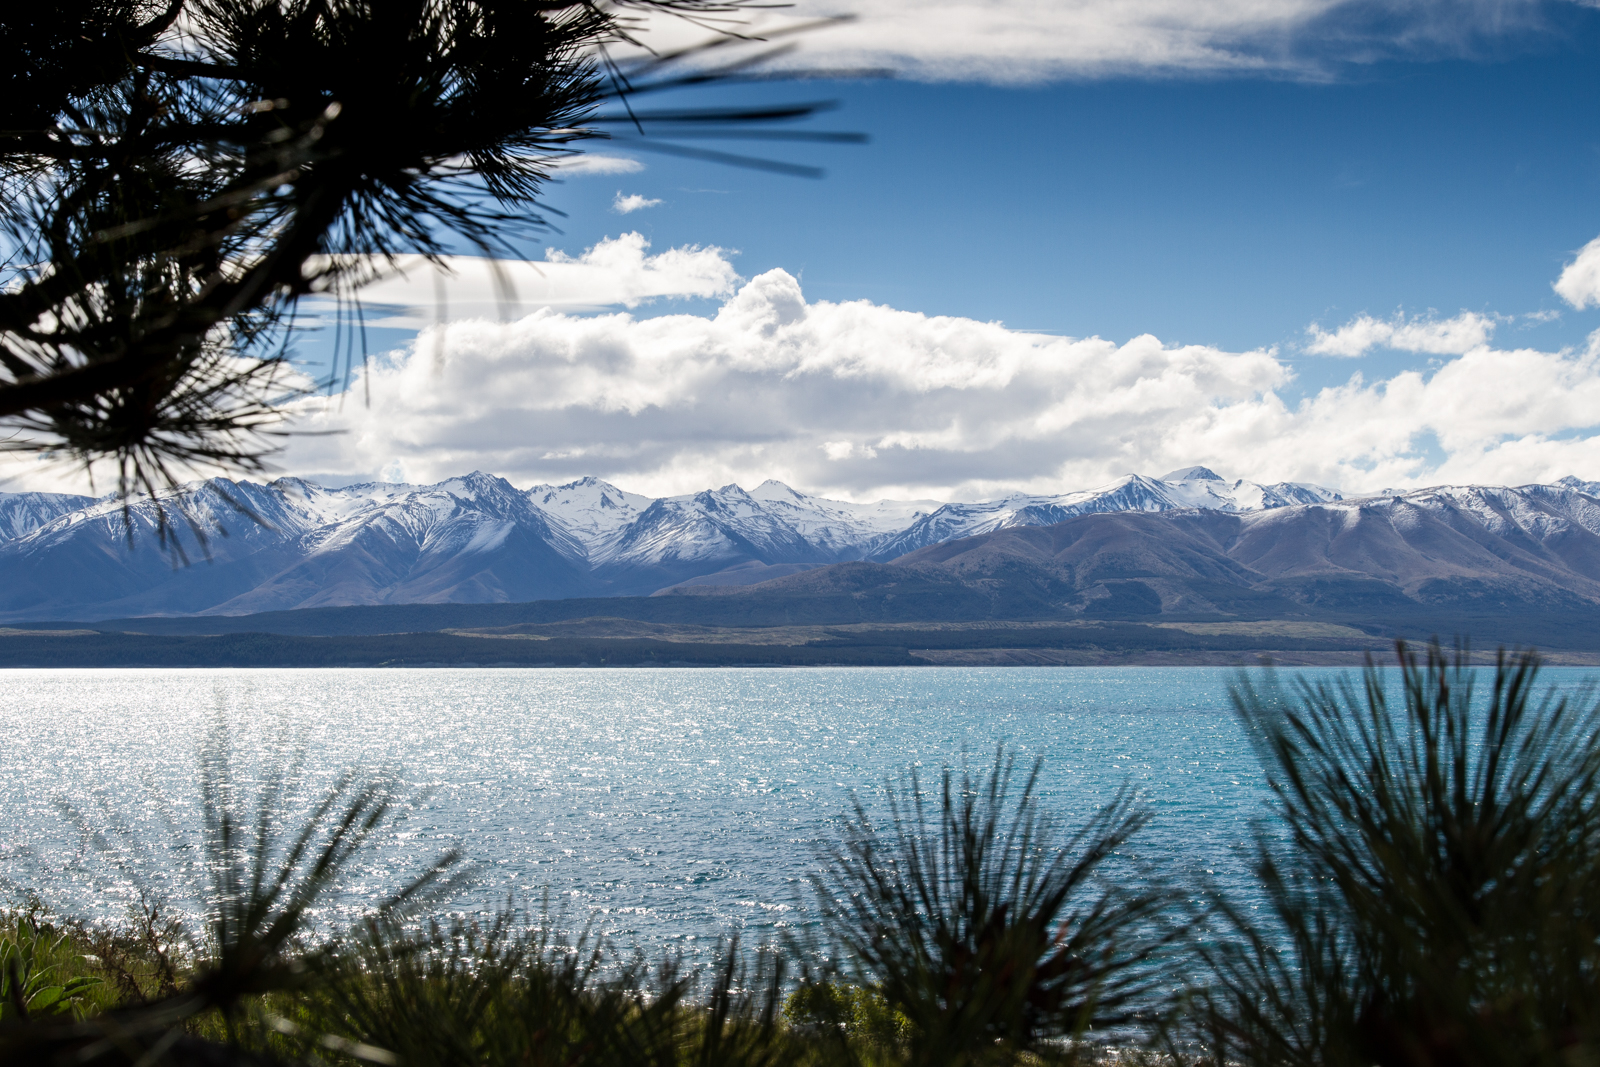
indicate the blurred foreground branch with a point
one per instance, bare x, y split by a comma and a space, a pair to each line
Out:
175, 175
1432, 877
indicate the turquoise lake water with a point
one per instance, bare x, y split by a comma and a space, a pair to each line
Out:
675, 805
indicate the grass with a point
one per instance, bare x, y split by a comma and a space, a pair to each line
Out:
1431, 887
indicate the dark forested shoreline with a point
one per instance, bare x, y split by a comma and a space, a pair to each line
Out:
557, 634
1086, 645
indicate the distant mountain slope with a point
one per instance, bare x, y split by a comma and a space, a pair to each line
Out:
474, 539
109, 560
1523, 563
1193, 487
680, 537
23, 513
1189, 545
592, 512
836, 525
291, 545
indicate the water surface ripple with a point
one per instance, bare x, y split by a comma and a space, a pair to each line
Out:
676, 804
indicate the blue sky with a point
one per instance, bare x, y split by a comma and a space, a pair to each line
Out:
1086, 239
1220, 210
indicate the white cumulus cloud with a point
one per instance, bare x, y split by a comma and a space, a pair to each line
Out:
627, 205
865, 401
1451, 337
1579, 284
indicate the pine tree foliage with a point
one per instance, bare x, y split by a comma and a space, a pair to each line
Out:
983, 924
175, 176
1433, 898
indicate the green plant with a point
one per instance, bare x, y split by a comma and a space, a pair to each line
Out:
1435, 898
738, 1022
31, 982
862, 1016
982, 924
470, 994
266, 879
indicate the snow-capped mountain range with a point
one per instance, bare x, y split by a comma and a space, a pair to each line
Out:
1518, 563
225, 547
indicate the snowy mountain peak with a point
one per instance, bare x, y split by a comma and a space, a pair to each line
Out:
1192, 474
1196, 488
772, 489
881, 516
471, 486
590, 509
587, 484
291, 484
727, 496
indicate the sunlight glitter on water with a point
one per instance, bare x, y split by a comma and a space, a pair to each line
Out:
673, 802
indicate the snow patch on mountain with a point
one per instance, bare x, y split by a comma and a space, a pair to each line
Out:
1192, 487
592, 511
838, 526
475, 513
23, 513
1581, 486
1539, 512
720, 526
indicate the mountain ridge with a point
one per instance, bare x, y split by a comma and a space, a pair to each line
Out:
479, 540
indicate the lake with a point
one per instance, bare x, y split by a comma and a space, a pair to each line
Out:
675, 805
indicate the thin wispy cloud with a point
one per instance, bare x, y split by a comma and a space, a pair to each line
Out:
627, 205
618, 271
596, 163
1453, 337
1021, 41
